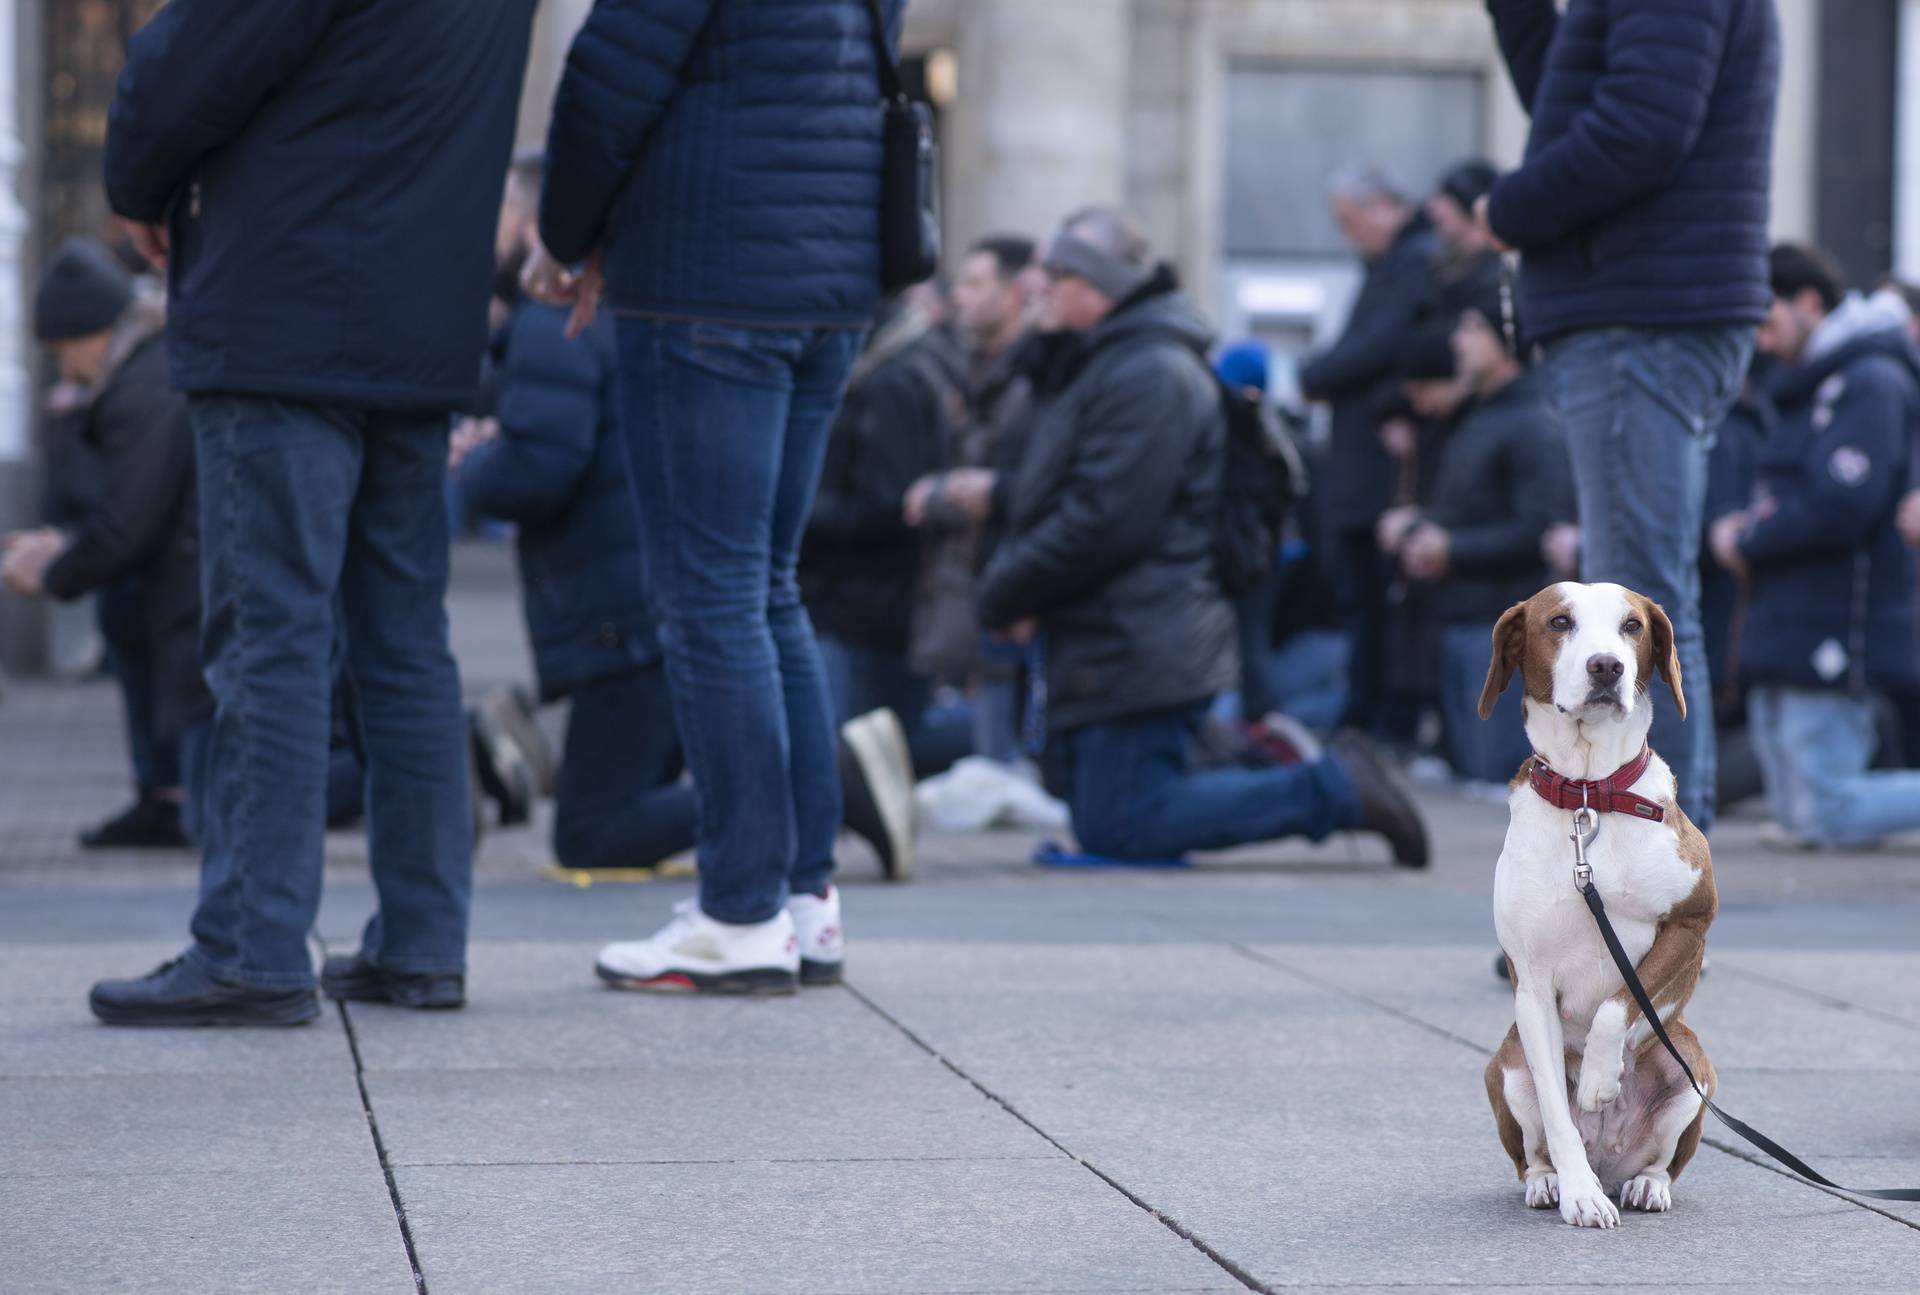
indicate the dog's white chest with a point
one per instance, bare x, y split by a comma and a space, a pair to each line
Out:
1545, 926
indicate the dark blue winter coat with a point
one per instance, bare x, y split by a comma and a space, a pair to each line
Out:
1832, 585
330, 171
1642, 201
727, 154
557, 470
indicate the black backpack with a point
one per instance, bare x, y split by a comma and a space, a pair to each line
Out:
1264, 473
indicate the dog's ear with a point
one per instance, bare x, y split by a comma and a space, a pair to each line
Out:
1509, 641
1666, 659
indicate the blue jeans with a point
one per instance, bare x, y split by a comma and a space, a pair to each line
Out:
1133, 795
725, 429
1640, 408
620, 801
120, 609
1482, 751
1309, 677
307, 512
862, 679
1814, 749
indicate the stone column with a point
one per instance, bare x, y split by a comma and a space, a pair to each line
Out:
1039, 126
14, 386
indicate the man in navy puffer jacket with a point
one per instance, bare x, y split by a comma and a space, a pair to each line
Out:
720, 161
1830, 629
1641, 214
321, 180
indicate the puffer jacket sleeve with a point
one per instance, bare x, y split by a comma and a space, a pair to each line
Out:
1647, 109
1849, 474
549, 412
195, 75
1524, 29
621, 73
1132, 443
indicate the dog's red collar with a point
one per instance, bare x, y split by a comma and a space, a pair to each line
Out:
1604, 795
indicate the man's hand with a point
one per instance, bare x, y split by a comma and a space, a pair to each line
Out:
913, 509
1909, 519
1020, 632
28, 555
1494, 240
589, 284
152, 242
1723, 539
553, 284
969, 491
1423, 555
1560, 549
468, 435
1391, 530
1400, 437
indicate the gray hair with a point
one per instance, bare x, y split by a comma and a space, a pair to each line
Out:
1113, 232
1365, 183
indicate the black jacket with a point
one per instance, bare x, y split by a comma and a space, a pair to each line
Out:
331, 172
860, 561
1356, 479
558, 471
1832, 602
145, 523
1110, 518
1504, 478
1643, 198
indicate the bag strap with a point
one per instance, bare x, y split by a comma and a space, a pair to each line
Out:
890, 85
1745, 1130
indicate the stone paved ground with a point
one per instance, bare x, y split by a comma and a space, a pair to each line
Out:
1262, 1074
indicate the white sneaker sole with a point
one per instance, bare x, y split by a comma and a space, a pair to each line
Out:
763, 981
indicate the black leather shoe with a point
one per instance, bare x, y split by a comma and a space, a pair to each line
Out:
1386, 806
180, 993
351, 978
150, 823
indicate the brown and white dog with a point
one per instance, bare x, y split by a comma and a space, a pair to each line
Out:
1586, 1099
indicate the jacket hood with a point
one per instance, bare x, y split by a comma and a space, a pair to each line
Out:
1858, 326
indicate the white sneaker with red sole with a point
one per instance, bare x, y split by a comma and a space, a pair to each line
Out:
695, 954
823, 941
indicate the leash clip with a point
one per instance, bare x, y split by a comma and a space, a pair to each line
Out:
1586, 826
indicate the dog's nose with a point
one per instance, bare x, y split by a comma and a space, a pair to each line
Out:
1605, 669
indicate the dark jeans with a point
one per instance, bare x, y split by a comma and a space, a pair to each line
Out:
1640, 408
308, 511
1483, 751
725, 429
1134, 796
1361, 579
862, 679
620, 802
120, 608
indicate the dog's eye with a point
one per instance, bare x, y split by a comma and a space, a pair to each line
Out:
1561, 623
1632, 627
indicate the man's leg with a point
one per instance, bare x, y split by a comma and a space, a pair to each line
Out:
1639, 410
704, 418
277, 480
1833, 737
393, 597
1133, 795
1361, 589
819, 381
619, 802
120, 609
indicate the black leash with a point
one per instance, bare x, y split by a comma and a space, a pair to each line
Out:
1583, 874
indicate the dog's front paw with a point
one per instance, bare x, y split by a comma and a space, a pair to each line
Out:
1599, 1081
1543, 1191
1650, 1192
1586, 1205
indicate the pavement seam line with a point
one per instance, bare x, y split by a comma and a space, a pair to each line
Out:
1173, 1225
380, 1150
1814, 995
1268, 960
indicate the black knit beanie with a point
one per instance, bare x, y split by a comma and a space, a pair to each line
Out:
83, 290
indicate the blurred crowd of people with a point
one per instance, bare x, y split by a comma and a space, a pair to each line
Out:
785, 549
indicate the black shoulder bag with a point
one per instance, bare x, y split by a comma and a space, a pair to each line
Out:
909, 201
